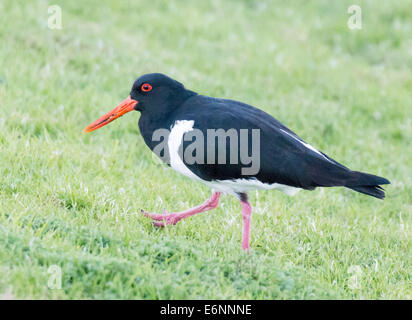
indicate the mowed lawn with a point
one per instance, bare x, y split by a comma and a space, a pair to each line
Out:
71, 200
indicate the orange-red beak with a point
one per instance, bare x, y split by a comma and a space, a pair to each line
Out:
124, 107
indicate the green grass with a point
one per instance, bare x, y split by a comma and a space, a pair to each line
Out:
72, 200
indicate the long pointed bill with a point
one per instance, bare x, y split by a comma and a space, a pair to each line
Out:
124, 107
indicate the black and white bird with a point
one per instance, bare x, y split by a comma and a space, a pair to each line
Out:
230, 146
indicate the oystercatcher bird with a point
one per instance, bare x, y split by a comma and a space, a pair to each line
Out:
262, 153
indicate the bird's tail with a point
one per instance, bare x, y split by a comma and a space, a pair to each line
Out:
367, 183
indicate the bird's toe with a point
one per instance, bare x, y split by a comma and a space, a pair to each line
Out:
158, 224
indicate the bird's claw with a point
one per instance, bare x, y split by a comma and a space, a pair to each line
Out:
161, 219
158, 224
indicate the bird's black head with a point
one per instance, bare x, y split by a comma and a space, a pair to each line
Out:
156, 92
153, 94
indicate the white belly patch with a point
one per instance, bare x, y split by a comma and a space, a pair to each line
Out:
245, 185
179, 128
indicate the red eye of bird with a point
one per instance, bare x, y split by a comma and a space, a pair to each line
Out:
146, 87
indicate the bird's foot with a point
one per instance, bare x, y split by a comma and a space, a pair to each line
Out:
162, 219
172, 218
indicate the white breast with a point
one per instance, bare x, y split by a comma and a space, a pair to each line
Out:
179, 128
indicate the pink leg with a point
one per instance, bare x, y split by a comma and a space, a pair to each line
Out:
173, 218
247, 216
